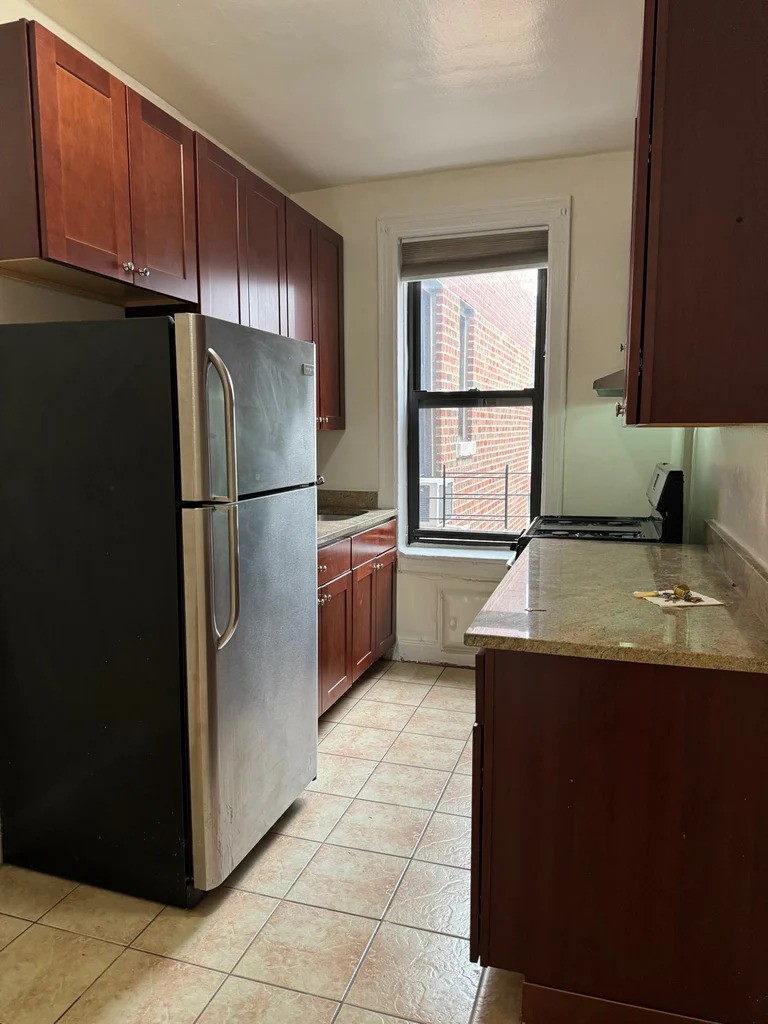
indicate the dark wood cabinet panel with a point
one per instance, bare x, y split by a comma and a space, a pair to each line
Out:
221, 225
82, 150
164, 221
334, 640
19, 226
329, 328
363, 605
371, 605
385, 570
639, 791
302, 269
333, 560
373, 542
266, 257
697, 351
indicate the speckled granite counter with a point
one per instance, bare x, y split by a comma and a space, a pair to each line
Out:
329, 532
575, 598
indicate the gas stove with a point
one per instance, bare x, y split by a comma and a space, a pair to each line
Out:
663, 525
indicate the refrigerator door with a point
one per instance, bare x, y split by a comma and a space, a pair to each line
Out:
251, 670
246, 403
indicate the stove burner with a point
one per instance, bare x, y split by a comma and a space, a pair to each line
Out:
665, 496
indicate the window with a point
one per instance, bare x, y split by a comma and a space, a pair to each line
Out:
475, 405
465, 380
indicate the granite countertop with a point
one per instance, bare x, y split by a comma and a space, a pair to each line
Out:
574, 597
342, 528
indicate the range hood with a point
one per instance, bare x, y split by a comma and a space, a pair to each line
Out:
611, 386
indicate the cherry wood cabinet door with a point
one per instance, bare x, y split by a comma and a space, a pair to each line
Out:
221, 226
82, 155
329, 327
363, 603
265, 249
698, 339
162, 172
384, 603
334, 640
302, 269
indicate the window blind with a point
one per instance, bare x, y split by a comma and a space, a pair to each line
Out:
424, 258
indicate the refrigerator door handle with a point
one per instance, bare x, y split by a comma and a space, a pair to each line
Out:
233, 531
230, 437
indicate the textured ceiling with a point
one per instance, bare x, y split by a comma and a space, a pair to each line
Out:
319, 92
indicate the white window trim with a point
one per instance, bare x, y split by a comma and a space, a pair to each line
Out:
553, 213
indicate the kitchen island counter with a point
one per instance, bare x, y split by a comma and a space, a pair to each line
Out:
574, 598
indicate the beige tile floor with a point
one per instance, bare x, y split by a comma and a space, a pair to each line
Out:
354, 910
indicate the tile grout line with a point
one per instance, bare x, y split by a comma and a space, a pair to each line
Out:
410, 859
391, 899
399, 885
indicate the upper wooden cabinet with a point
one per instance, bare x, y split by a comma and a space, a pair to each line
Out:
104, 180
265, 245
221, 233
82, 147
697, 351
162, 166
105, 193
315, 256
301, 246
329, 327
241, 243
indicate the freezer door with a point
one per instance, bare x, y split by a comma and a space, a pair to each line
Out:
251, 670
246, 403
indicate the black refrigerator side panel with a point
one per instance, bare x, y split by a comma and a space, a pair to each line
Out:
92, 731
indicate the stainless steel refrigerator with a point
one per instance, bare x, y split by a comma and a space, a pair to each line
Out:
158, 702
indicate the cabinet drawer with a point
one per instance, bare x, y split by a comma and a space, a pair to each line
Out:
373, 542
333, 560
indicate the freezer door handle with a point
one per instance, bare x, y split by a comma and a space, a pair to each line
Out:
233, 531
230, 437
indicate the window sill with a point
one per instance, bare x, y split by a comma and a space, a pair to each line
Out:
438, 560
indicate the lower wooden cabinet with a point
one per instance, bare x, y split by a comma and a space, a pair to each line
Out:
363, 642
334, 632
384, 603
620, 839
373, 611
356, 611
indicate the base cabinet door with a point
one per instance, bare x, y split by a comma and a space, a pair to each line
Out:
334, 640
385, 569
162, 164
82, 148
363, 604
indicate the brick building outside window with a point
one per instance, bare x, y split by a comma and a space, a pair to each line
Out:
479, 459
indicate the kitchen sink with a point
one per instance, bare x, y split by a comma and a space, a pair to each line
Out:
337, 517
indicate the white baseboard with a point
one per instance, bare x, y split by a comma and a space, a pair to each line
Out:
431, 654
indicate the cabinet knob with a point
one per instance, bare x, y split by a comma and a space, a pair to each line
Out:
321, 599
128, 267
144, 272
322, 568
620, 408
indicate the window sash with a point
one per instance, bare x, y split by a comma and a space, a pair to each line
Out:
419, 399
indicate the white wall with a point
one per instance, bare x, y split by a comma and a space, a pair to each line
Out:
606, 466
730, 484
